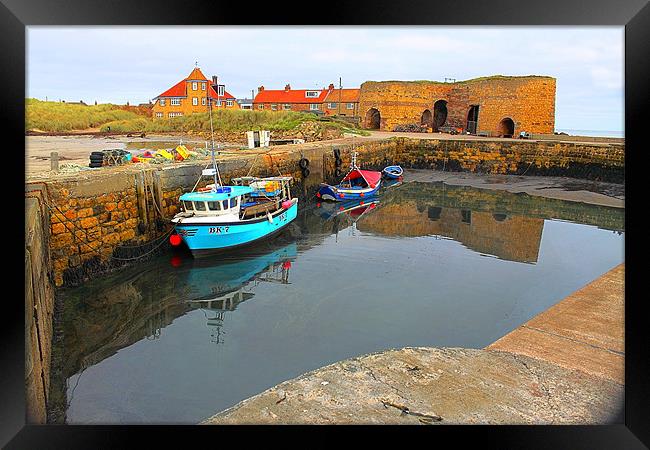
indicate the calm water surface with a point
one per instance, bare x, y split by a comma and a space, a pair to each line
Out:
176, 340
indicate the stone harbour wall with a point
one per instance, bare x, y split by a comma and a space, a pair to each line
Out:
109, 218
602, 162
39, 307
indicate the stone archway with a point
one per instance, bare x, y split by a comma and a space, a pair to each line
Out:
439, 114
506, 128
373, 119
426, 120
472, 119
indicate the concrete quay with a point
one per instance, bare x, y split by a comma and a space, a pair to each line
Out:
565, 366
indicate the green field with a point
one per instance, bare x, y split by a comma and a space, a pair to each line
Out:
56, 116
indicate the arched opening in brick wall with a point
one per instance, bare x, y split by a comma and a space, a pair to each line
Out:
506, 127
373, 119
427, 119
472, 120
439, 114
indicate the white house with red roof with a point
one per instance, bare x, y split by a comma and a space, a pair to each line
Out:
192, 94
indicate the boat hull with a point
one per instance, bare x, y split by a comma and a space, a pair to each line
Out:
393, 172
214, 237
338, 194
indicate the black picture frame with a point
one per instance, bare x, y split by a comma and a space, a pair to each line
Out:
15, 15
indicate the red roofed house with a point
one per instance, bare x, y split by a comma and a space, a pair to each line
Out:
342, 102
290, 99
192, 94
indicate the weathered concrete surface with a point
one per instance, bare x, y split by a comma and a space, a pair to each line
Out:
434, 386
585, 331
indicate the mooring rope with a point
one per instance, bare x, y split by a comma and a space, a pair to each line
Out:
88, 241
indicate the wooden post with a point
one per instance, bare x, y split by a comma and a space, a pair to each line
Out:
54, 161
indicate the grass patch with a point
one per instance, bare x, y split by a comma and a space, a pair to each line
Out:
58, 116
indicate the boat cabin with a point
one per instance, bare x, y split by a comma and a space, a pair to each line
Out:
222, 201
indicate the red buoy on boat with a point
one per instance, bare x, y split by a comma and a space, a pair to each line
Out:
286, 265
175, 240
287, 204
341, 195
361, 194
318, 194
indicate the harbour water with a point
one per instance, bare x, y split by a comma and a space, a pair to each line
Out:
175, 340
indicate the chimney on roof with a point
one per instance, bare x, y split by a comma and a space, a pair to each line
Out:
287, 87
331, 87
260, 89
214, 80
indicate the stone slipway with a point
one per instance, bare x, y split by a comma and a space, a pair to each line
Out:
565, 366
585, 331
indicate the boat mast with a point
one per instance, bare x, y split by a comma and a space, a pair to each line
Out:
217, 176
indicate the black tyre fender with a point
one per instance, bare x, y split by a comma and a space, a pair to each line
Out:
303, 163
305, 172
96, 157
97, 153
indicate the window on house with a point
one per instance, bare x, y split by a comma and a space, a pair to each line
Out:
274, 107
313, 106
175, 101
221, 89
159, 114
218, 103
228, 102
312, 94
260, 106
331, 106
203, 86
175, 114
214, 206
203, 101
350, 106
194, 85
199, 206
162, 102
195, 101
286, 106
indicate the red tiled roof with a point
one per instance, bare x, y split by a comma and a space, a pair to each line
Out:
196, 74
346, 96
180, 88
177, 90
289, 96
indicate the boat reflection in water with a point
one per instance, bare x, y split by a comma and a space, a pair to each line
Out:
218, 285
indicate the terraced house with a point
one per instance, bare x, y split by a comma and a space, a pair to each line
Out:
192, 94
342, 102
290, 99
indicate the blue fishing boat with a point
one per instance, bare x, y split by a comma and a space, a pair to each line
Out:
356, 184
227, 217
393, 172
217, 217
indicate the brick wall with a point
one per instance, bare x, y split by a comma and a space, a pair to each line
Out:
528, 101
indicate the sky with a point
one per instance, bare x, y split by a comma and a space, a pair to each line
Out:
135, 64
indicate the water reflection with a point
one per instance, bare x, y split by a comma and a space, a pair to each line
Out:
407, 271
